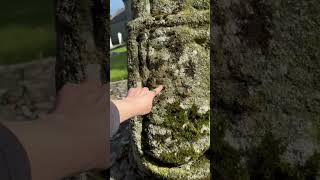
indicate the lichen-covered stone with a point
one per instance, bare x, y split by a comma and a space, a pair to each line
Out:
82, 38
266, 87
169, 44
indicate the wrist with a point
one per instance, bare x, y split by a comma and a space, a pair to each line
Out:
125, 108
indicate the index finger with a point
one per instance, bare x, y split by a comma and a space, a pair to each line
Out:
158, 90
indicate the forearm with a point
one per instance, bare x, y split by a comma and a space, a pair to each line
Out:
126, 110
138, 102
57, 148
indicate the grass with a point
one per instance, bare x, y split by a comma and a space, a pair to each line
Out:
26, 30
27, 33
122, 49
118, 64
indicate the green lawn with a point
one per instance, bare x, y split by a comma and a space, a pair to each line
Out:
26, 30
118, 64
27, 33
122, 49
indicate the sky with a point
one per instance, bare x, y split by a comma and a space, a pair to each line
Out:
115, 5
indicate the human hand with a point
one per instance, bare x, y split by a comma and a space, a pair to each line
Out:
84, 111
87, 99
138, 102
141, 99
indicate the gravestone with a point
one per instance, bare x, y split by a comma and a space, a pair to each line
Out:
266, 89
169, 45
111, 45
120, 38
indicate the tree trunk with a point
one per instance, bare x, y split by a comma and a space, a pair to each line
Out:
82, 38
266, 89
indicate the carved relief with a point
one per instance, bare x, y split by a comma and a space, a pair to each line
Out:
169, 44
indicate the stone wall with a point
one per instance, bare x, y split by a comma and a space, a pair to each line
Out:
27, 90
266, 89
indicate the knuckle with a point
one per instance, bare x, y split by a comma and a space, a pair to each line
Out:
131, 90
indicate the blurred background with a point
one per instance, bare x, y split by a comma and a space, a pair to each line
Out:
26, 31
119, 17
27, 62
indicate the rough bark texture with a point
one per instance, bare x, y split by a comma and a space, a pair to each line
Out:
169, 44
82, 38
266, 89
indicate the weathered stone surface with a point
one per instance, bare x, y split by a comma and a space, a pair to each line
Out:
118, 89
169, 44
266, 82
25, 88
82, 38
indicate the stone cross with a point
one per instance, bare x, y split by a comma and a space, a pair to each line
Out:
120, 37
169, 45
111, 45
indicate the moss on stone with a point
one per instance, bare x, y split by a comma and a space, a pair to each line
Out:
188, 128
261, 162
176, 116
256, 29
226, 159
266, 73
265, 162
170, 46
198, 169
177, 158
